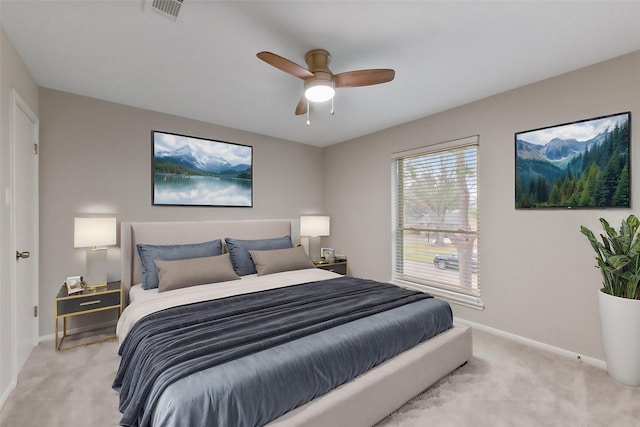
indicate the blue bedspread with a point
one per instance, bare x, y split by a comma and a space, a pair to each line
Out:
340, 327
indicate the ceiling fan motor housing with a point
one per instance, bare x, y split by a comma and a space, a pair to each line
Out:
318, 60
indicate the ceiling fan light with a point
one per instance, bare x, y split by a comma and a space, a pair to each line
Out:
319, 92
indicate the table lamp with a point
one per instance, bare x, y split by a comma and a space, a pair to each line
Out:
313, 227
95, 234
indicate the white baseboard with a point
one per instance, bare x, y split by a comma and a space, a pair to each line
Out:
5, 395
532, 343
92, 327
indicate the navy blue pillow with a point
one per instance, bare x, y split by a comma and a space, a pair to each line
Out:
150, 253
239, 251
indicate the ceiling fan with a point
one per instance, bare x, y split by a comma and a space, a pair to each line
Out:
319, 81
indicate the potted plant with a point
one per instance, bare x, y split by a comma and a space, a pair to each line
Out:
618, 258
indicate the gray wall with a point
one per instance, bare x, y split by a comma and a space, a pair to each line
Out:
538, 278
13, 74
95, 158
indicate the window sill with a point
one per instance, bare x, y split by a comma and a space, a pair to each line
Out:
452, 297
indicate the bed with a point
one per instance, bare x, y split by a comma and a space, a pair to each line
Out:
365, 397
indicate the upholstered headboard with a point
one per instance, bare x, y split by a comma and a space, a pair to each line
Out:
181, 232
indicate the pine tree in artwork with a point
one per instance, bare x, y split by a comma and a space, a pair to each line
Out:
621, 195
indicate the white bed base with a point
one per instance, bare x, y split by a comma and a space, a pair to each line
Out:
361, 402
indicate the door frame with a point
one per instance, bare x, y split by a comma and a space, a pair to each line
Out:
17, 104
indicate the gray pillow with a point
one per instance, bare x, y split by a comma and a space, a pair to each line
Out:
239, 251
277, 260
150, 253
194, 271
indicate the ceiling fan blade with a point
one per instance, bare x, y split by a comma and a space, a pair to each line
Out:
302, 106
363, 77
285, 65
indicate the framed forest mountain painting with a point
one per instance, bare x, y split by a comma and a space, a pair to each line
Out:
583, 164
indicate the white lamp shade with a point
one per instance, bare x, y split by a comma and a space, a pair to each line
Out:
93, 232
314, 225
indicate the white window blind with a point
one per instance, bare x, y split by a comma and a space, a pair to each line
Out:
436, 220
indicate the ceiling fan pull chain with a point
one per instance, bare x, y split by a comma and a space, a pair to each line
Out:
332, 106
308, 108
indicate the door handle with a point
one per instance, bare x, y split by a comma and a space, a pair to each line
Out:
24, 255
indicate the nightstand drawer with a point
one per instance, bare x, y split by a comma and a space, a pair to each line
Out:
87, 303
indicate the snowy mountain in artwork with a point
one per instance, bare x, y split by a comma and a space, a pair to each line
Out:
190, 162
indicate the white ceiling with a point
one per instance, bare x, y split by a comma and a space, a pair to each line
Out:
204, 66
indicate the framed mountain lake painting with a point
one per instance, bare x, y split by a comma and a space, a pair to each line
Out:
191, 171
583, 164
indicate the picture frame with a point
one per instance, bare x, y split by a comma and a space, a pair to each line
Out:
577, 165
328, 254
194, 171
73, 284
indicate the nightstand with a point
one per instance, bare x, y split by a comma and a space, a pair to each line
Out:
339, 267
85, 302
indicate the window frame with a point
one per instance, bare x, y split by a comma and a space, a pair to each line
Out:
443, 291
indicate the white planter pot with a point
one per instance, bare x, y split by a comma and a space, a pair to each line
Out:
619, 321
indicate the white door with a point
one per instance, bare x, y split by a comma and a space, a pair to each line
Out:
24, 220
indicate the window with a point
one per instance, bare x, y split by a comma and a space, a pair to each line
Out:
436, 220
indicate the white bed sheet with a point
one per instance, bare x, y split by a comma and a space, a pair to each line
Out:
150, 302
136, 293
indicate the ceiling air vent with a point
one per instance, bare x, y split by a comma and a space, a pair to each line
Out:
167, 8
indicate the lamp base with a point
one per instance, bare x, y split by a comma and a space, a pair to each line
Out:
95, 287
96, 268
314, 248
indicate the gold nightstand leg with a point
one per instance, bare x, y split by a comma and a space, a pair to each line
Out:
64, 332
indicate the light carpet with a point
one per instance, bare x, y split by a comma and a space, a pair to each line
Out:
504, 384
